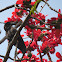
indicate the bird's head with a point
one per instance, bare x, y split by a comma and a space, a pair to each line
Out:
7, 26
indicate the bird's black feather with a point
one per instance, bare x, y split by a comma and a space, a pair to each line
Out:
10, 32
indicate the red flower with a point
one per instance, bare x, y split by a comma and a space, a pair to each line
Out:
26, 43
36, 33
32, 3
58, 60
19, 51
59, 16
1, 60
52, 50
22, 35
19, 2
45, 60
42, 15
33, 45
5, 21
59, 56
42, 25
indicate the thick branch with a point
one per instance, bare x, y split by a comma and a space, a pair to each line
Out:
2, 40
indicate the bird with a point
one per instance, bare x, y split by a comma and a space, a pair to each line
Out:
10, 32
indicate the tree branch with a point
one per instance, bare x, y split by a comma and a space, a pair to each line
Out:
38, 19
15, 52
7, 8
42, 7
40, 55
31, 40
21, 8
4, 56
49, 57
37, 27
43, 21
3, 39
52, 8
2, 22
13, 59
10, 47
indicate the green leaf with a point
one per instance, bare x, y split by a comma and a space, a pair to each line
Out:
34, 7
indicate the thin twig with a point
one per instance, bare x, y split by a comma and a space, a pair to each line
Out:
40, 55
37, 27
52, 8
42, 21
0, 31
38, 20
7, 8
42, 7
2, 22
49, 57
13, 59
1, 56
25, 37
22, 59
31, 40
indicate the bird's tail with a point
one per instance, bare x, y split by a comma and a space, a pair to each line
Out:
21, 45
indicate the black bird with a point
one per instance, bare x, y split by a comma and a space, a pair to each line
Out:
10, 32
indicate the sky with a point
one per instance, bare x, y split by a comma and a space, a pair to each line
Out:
56, 4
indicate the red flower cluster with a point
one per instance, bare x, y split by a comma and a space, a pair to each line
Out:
32, 59
49, 38
33, 45
12, 19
